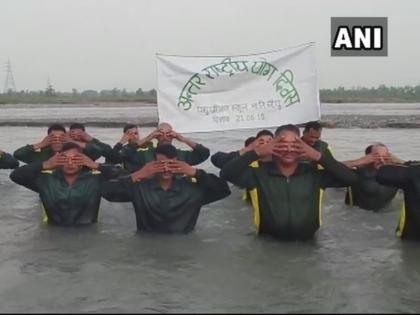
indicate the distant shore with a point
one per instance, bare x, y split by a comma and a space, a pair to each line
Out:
351, 100
145, 114
337, 95
328, 121
100, 104
153, 102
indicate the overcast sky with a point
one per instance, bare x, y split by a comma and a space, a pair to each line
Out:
102, 44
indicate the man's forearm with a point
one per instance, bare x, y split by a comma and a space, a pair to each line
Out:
393, 175
353, 163
338, 170
8, 161
189, 142
26, 153
26, 174
219, 159
143, 141
117, 190
236, 167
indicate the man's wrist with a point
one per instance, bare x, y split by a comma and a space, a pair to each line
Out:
316, 156
137, 176
192, 172
88, 138
37, 146
141, 142
364, 160
133, 177
94, 165
256, 150
396, 160
189, 142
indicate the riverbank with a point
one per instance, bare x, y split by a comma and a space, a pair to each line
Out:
370, 122
116, 115
77, 99
328, 121
347, 100
79, 104
153, 101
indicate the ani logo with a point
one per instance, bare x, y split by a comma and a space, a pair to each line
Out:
359, 36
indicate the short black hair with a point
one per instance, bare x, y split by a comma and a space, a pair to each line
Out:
369, 149
167, 150
77, 126
249, 141
56, 127
288, 127
264, 132
129, 126
312, 125
70, 145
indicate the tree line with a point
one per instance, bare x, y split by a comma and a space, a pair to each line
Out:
50, 95
382, 93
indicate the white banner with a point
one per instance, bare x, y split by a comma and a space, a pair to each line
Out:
198, 94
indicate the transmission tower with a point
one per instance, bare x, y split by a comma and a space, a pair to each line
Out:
9, 83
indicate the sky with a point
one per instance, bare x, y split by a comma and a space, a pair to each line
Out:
102, 44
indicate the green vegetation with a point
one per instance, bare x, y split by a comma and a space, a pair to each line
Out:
381, 94
50, 96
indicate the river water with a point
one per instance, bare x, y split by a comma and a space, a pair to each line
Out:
355, 264
118, 114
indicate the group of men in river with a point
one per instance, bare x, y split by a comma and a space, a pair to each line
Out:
283, 174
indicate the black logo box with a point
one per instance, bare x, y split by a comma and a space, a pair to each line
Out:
350, 23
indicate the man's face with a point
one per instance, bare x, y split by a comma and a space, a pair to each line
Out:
69, 168
134, 133
311, 136
381, 151
57, 140
166, 174
264, 140
76, 134
290, 156
165, 135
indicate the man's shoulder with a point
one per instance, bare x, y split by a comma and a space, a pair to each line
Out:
365, 173
183, 150
187, 180
48, 172
411, 163
323, 143
146, 147
323, 147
